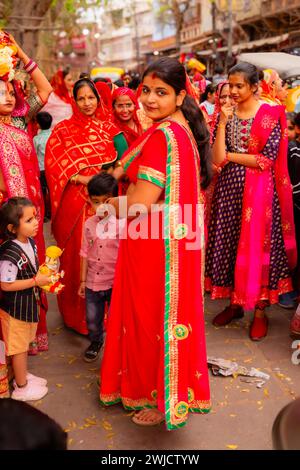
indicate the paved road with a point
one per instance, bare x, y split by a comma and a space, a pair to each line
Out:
242, 414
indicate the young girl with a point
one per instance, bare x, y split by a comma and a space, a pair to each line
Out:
251, 244
19, 309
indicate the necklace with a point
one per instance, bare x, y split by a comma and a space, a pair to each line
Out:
5, 119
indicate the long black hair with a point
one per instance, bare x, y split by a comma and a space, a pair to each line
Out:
85, 82
173, 73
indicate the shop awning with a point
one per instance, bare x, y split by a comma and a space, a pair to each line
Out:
258, 43
185, 48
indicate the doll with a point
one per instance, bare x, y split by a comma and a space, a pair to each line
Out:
51, 268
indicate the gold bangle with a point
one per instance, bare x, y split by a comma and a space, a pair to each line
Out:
74, 179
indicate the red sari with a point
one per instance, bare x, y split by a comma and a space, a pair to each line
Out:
19, 166
80, 145
155, 353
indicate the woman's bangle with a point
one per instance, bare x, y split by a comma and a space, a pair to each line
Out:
34, 280
74, 179
30, 67
28, 64
223, 163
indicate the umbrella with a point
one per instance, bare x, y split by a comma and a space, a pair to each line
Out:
287, 65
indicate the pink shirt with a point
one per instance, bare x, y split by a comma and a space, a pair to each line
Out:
100, 246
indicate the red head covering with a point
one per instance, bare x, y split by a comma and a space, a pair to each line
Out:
130, 134
105, 94
59, 87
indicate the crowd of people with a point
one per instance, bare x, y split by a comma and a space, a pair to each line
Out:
159, 189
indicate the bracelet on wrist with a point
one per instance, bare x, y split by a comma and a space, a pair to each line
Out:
30, 67
28, 64
74, 179
34, 280
223, 163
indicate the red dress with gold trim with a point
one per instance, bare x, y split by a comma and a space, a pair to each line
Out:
155, 353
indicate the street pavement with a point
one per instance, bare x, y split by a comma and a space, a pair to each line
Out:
242, 415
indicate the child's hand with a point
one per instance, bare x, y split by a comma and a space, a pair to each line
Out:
81, 290
42, 279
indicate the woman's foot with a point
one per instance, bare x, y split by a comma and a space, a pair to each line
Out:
232, 312
258, 328
148, 417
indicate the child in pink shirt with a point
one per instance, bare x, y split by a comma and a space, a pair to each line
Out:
99, 253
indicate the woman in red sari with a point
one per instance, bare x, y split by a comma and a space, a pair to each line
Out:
251, 244
77, 149
125, 106
155, 355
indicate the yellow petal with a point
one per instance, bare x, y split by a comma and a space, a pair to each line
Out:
59, 385
231, 446
106, 425
232, 416
77, 376
90, 421
72, 360
70, 441
266, 392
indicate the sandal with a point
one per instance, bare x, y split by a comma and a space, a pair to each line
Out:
138, 418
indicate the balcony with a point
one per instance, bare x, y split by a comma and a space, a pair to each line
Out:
271, 7
191, 32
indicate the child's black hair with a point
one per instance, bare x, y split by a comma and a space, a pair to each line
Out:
11, 213
101, 184
44, 120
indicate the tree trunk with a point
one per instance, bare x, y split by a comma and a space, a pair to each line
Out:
25, 21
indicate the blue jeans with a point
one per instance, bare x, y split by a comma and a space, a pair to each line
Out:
95, 308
